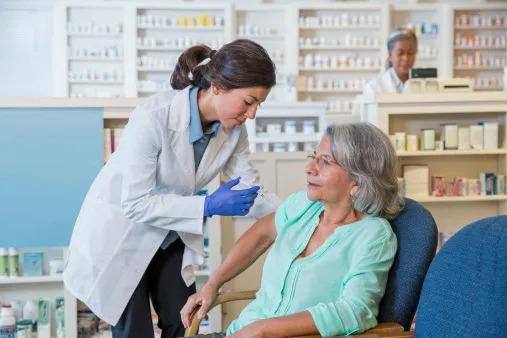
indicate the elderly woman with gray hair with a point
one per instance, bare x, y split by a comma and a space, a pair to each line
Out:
402, 49
331, 245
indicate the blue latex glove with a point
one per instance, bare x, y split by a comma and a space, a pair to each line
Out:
227, 202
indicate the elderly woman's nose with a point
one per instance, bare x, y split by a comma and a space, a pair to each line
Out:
311, 168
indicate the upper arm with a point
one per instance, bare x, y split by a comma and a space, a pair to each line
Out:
265, 228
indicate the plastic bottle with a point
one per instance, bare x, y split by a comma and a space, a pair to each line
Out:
30, 311
13, 262
4, 262
60, 317
7, 322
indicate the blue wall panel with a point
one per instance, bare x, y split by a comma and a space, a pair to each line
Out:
48, 159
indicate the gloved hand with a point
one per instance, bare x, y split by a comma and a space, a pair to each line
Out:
227, 202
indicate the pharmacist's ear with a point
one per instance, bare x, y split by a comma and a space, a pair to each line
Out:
215, 89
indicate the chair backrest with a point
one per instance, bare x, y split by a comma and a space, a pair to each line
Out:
465, 290
417, 236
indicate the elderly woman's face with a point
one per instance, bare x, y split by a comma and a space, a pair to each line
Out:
326, 180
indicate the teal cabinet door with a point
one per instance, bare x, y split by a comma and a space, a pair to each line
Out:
48, 160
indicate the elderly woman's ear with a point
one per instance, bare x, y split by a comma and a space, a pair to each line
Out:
353, 190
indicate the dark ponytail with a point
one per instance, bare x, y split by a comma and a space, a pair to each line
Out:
239, 64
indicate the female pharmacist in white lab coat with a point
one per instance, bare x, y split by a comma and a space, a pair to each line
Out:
402, 48
140, 228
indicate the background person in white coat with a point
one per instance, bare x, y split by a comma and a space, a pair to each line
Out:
402, 48
140, 227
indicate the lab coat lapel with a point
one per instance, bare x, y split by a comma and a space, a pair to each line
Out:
179, 123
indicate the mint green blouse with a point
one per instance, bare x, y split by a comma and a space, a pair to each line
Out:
340, 284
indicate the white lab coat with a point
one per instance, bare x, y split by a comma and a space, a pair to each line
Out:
145, 190
387, 82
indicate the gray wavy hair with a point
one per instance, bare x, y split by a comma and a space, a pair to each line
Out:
368, 156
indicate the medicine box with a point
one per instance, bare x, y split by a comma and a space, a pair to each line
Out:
33, 263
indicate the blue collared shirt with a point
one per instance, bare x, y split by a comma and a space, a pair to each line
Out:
200, 140
197, 137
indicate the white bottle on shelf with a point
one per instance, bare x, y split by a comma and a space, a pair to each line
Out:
30, 310
7, 322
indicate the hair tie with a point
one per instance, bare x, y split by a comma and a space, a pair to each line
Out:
202, 63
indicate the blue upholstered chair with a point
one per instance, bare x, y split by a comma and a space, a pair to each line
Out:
417, 242
417, 236
465, 291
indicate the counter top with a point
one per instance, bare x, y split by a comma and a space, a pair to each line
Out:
458, 97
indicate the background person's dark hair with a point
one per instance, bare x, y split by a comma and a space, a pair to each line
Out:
239, 64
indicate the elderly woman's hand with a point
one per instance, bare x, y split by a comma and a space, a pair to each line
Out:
200, 302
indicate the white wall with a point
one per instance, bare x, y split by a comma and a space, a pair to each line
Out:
25, 48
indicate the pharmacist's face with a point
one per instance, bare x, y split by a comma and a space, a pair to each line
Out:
234, 106
327, 181
403, 56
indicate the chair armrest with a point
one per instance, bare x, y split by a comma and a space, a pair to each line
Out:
223, 297
382, 330
386, 328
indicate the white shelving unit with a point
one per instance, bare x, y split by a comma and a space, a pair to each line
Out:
427, 20
164, 30
479, 43
340, 48
412, 113
89, 49
22, 289
271, 26
262, 138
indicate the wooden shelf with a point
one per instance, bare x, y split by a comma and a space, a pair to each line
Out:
97, 35
482, 27
96, 82
155, 69
261, 37
162, 48
450, 152
340, 27
480, 48
331, 91
340, 112
97, 59
30, 280
480, 68
342, 69
186, 28
332, 48
431, 199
